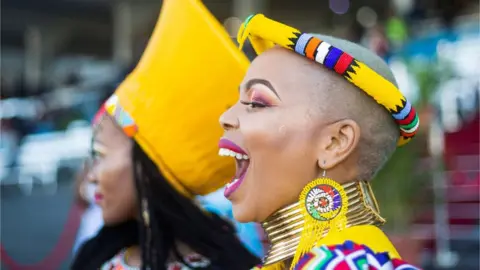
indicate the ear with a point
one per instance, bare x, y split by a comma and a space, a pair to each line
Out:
337, 142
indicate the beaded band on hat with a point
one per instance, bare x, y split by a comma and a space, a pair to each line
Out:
265, 33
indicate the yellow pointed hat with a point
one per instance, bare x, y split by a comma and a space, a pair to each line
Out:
170, 104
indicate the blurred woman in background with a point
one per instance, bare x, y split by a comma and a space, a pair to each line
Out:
155, 148
92, 220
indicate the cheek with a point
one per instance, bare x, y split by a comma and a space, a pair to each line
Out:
287, 135
261, 133
118, 188
281, 149
114, 174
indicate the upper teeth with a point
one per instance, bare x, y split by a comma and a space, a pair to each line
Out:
229, 153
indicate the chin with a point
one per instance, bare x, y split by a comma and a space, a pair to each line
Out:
110, 221
243, 214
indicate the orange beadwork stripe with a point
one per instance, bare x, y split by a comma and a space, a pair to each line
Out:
311, 48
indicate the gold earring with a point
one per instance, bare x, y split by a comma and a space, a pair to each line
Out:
324, 206
145, 214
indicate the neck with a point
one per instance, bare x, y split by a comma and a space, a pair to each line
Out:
133, 257
283, 228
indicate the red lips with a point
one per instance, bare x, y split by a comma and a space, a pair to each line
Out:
227, 144
98, 197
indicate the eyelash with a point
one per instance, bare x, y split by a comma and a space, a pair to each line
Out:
253, 104
95, 155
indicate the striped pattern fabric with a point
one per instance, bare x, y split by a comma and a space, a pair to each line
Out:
347, 256
123, 119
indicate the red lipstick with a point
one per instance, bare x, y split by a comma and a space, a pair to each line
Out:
227, 144
98, 197
230, 149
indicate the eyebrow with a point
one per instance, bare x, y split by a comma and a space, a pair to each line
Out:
252, 82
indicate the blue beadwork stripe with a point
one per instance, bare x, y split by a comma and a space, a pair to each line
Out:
332, 57
404, 112
302, 43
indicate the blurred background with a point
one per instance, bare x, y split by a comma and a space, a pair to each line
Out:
60, 59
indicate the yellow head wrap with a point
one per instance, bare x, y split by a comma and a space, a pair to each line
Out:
170, 104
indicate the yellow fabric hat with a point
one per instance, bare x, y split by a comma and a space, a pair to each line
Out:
170, 104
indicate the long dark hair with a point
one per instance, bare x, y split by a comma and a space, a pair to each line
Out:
171, 218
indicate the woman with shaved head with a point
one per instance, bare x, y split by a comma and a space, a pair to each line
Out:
316, 119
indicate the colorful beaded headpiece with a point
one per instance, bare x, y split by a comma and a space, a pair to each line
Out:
99, 116
171, 102
265, 33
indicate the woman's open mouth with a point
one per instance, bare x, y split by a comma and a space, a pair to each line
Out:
230, 149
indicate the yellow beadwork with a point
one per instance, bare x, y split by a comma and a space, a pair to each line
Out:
316, 223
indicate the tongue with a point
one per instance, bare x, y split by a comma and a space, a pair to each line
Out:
242, 166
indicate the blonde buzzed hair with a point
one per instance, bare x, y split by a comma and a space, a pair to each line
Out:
379, 132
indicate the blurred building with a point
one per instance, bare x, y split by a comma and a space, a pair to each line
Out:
46, 43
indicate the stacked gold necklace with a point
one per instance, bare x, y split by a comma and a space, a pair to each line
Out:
284, 228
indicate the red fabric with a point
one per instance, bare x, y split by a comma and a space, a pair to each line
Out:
59, 253
463, 143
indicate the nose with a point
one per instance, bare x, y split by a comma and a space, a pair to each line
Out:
91, 177
229, 120
89, 173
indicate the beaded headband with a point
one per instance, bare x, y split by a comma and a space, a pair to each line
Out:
265, 33
98, 116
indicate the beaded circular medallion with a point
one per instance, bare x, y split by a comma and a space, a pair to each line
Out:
324, 201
